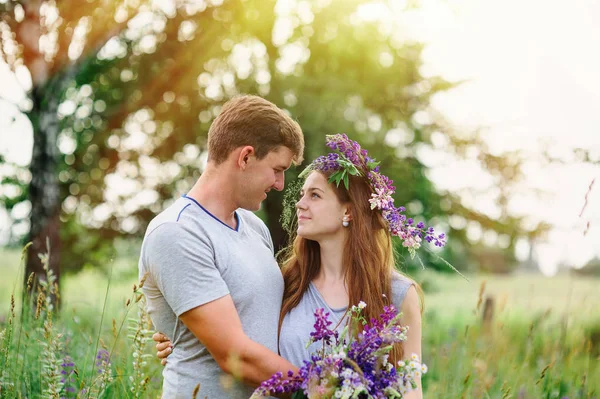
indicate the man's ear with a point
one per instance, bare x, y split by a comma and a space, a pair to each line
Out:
244, 156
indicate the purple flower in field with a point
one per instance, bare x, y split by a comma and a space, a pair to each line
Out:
67, 370
102, 360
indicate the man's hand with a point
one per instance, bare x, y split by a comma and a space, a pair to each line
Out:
164, 347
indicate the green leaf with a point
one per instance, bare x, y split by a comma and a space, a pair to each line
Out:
383, 351
344, 163
373, 164
346, 181
341, 178
299, 395
354, 171
337, 177
412, 252
305, 172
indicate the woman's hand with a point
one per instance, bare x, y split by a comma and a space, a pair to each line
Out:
163, 347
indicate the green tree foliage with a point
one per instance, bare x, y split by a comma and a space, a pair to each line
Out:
120, 121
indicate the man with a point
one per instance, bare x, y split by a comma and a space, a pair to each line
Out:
212, 283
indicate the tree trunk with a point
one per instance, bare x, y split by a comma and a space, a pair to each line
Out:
44, 190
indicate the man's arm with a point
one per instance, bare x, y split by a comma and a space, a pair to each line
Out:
217, 325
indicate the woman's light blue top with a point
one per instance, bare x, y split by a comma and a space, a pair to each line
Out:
298, 323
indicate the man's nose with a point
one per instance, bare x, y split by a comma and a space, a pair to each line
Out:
279, 183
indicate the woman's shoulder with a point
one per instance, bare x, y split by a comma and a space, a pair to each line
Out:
400, 280
400, 286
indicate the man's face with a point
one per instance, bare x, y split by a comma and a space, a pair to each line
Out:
261, 176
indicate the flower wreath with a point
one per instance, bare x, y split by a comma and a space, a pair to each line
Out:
352, 160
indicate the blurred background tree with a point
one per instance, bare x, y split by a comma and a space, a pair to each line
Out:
122, 93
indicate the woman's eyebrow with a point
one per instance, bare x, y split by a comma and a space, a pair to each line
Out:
312, 189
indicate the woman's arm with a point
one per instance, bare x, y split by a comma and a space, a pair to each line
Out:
411, 317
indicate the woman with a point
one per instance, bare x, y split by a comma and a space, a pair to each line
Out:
342, 252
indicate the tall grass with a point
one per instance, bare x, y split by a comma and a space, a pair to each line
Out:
48, 354
510, 357
540, 343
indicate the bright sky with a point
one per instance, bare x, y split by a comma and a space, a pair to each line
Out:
532, 70
532, 78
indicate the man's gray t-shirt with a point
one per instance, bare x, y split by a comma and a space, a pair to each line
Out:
192, 258
299, 322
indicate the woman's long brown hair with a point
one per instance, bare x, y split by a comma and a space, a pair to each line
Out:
368, 257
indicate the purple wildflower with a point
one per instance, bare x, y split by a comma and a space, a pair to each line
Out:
102, 360
322, 332
67, 371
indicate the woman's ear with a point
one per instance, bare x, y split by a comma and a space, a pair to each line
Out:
348, 214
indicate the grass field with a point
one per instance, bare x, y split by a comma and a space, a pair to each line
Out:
538, 343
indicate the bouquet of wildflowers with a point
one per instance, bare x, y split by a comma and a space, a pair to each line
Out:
351, 367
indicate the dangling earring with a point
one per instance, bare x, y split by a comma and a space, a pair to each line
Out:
345, 221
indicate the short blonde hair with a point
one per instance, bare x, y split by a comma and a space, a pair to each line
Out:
252, 120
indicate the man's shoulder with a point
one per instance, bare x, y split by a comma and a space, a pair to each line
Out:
167, 219
179, 222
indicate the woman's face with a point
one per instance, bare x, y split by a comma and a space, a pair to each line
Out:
319, 210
